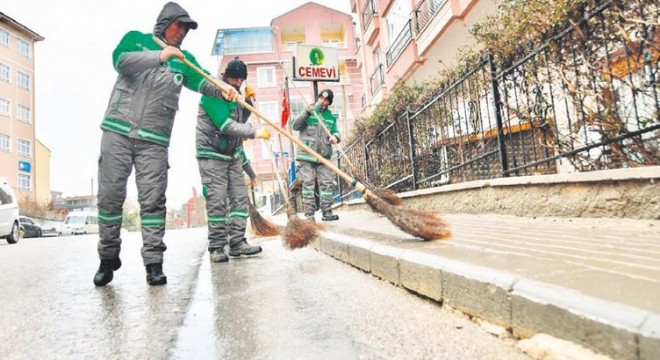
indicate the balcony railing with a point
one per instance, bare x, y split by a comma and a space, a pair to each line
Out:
249, 49
368, 13
399, 43
425, 11
377, 79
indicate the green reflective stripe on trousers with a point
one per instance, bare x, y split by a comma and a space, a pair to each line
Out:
154, 136
326, 194
214, 219
116, 125
306, 157
307, 193
208, 154
152, 221
110, 218
242, 214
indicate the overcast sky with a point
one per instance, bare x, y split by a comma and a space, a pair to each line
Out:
74, 76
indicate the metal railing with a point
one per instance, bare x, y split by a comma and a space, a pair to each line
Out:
368, 13
377, 79
583, 99
424, 12
399, 43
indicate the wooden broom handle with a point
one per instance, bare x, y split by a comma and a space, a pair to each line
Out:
358, 186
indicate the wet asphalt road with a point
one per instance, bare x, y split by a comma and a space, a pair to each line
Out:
278, 305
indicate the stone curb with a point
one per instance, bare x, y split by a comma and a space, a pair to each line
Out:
525, 307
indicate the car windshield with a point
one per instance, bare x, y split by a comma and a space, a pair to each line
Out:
75, 220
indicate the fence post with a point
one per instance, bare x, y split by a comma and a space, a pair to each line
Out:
366, 160
341, 198
504, 163
411, 143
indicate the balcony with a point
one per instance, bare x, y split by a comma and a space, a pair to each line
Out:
377, 79
370, 24
399, 44
243, 41
368, 13
425, 11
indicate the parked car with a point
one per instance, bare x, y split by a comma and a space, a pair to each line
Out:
9, 223
54, 228
82, 222
29, 227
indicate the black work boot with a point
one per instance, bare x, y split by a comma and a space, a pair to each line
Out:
309, 216
155, 274
243, 248
329, 216
218, 255
105, 272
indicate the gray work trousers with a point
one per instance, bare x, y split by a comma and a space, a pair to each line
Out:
308, 173
119, 154
226, 201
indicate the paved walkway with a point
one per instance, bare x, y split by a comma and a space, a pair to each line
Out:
595, 282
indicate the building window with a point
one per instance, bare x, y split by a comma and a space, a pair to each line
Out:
23, 80
24, 182
4, 107
4, 38
292, 45
5, 143
4, 72
24, 114
265, 76
23, 47
24, 147
334, 43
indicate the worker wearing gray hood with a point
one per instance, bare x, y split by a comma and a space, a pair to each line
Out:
136, 133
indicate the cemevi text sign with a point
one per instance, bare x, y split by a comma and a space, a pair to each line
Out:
316, 63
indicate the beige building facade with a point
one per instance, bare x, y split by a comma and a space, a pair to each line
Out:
18, 145
41, 173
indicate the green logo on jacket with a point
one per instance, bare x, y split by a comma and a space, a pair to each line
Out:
178, 79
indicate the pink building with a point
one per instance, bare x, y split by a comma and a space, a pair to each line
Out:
268, 53
410, 41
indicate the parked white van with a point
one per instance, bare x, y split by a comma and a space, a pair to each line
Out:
82, 222
9, 225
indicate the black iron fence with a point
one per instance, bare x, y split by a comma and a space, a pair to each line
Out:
584, 98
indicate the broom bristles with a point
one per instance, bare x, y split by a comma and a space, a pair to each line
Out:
426, 225
299, 233
388, 196
261, 226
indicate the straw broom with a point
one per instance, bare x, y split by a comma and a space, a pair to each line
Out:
259, 225
298, 233
426, 225
386, 194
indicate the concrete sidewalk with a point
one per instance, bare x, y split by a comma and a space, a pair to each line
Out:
595, 282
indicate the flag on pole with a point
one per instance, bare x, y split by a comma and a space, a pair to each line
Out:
285, 108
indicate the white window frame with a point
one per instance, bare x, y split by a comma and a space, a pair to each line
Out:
265, 76
23, 48
24, 182
335, 43
5, 72
4, 38
397, 18
24, 147
24, 114
23, 80
5, 107
5, 143
292, 45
